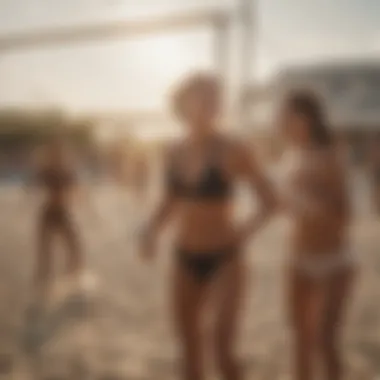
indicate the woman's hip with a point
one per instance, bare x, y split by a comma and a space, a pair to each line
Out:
322, 266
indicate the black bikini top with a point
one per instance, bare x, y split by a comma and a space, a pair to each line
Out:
212, 184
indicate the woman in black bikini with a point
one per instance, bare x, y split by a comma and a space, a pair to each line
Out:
57, 179
202, 171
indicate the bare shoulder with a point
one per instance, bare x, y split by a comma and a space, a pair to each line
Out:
240, 155
243, 153
236, 146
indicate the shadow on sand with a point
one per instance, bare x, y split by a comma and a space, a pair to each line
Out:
42, 325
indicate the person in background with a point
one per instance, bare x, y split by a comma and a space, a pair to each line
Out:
56, 177
322, 267
202, 171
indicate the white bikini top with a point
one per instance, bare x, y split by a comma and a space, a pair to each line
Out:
297, 163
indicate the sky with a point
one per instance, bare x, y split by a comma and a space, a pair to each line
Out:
126, 74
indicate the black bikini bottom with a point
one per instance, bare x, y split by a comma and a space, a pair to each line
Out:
203, 265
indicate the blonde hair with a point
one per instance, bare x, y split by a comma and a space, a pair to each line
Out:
195, 82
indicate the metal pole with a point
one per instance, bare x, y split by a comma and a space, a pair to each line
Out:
221, 55
247, 17
221, 47
46, 38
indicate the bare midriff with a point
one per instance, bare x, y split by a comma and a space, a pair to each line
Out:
318, 236
205, 225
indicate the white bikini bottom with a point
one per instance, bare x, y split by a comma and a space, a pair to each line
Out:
324, 265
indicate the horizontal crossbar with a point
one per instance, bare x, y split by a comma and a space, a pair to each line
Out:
111, 29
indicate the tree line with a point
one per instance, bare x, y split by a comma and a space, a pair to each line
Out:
25, 129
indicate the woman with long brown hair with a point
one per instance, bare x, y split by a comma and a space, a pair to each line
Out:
322, 266
202, 171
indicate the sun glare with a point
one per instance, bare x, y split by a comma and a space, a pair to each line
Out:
168, 57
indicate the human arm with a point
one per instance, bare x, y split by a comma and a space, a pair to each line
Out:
333, 198
248, 168
160, 216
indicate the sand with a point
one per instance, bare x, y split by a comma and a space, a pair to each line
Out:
119, 329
